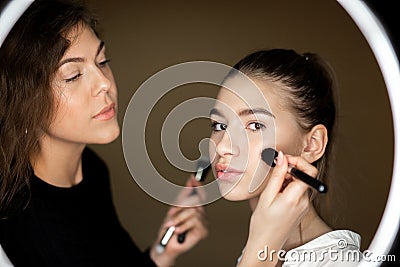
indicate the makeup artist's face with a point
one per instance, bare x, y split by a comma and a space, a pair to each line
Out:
85, 93
242, 130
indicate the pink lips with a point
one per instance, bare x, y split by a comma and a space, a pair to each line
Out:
225, 173
105, 113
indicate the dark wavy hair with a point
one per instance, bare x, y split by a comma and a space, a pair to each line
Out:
308, 89
29, 59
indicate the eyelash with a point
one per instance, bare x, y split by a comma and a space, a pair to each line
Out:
104, 63
214, 124
73, 78
258, 126
101, 64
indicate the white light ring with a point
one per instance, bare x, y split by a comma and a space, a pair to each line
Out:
10, 14
386, 57
387, 60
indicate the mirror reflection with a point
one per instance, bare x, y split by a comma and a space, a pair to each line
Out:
144, 38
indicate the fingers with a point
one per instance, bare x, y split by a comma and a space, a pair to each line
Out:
188, 212
191, 221
200, 192
302, 165
197, 188
280, 181
187, 218
191, 182
192, 194
298, 186
276, 179
295, 194
172, 211
282, 204
195, 222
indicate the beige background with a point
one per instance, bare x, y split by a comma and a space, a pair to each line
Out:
143, 38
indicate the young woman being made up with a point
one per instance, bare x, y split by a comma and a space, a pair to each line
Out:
298, 122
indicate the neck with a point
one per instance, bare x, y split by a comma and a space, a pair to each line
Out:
253, 203
58, 163
311, 226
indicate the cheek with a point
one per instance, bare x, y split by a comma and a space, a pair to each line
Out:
257, 170
70, 109
256, 147
290, 144
289, 137
252, 158
256, 143
212, 147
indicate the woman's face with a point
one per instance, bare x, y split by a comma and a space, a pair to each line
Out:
242, 129
85, 93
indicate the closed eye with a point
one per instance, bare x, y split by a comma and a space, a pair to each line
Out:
74, 78
104, 63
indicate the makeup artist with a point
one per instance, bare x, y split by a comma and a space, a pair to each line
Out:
58, 95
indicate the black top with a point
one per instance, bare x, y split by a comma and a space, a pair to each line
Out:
75, 226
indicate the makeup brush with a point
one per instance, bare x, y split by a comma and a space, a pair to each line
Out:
202, 168
269, 156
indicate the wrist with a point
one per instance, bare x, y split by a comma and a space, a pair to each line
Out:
262, 248
259, 254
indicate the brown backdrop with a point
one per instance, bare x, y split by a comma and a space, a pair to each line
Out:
144, 37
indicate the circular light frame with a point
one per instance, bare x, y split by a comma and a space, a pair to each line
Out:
386, 57
384, 52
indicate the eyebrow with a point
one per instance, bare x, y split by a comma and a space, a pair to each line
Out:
101, 45
80, 59
245, 112
249, 111
215, 111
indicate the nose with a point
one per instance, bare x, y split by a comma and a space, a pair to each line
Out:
225, 146
102, 82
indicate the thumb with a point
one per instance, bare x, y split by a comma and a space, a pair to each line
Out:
186, 191
191, 182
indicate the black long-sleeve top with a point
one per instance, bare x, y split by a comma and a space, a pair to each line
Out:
73, 227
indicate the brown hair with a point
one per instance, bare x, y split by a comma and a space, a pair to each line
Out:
29, 59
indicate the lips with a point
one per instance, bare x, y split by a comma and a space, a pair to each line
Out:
224, 172
106, 113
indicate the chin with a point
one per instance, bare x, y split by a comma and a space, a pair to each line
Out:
237, 193
108, 136
231, 196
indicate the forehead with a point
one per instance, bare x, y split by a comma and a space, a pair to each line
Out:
82, 38
238, 95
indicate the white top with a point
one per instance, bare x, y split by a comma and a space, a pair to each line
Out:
335, 248
4, 261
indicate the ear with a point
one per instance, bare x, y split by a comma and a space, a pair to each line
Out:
315, 143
